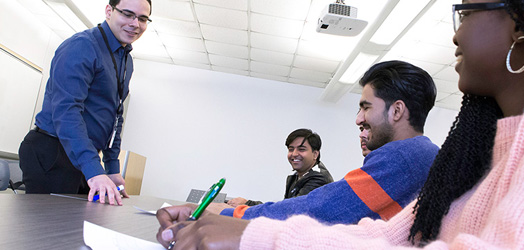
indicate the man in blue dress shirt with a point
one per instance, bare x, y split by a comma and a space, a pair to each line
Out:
82, 110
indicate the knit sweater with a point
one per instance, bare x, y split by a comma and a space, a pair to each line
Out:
489, 216
390, 179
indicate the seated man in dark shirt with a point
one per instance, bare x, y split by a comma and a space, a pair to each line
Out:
304, 156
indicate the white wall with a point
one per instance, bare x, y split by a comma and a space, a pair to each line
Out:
21, 87
196, 126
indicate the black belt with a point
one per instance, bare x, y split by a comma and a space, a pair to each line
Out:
39, 130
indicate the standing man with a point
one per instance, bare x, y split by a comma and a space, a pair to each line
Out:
303, 153
82, 110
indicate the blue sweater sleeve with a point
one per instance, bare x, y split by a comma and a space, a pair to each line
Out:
400, 168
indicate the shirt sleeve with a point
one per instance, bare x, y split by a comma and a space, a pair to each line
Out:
70, 77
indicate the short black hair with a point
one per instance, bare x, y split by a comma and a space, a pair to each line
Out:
312, 138
398, 80
114, 3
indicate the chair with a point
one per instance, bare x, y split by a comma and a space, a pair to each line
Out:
4, 175
195, 195
15, 175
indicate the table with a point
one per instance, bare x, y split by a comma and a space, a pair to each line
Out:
43, 221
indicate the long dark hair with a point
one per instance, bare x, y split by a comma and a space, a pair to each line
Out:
463, 159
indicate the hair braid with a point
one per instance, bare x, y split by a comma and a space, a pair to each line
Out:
460, 164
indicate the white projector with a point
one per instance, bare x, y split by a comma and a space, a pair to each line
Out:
341, 20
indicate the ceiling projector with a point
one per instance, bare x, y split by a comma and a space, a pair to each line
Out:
340, 19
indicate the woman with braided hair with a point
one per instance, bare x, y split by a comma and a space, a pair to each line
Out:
474, 194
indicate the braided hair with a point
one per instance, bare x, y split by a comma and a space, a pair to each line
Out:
464, 157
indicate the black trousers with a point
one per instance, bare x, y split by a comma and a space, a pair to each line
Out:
46, 167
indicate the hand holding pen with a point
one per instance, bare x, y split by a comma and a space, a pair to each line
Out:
167, 217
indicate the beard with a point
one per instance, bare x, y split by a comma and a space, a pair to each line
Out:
380, 135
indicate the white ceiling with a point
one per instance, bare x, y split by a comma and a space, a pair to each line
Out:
276, 39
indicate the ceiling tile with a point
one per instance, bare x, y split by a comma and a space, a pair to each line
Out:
270, 69
176, 27
227, 49
182, 42
148, 38
431, 68
190, 56
227, 18
308, 83
152, 50
448, 74
291, 9
276, 26
325, 50
271, 57
152, 58
273, 43
193, 65
316, 64
230, 70
228, 62
269, 77
432, 32
446, 87
224, 35
425, 52
452, 101
230, 4
180, 10
310, 75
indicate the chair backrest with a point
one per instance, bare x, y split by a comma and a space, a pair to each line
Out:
195, 195
4, 175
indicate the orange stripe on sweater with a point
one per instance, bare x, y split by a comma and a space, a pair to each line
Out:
239, 211
372, 194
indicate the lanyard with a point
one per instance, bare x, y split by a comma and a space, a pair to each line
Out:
120, 109
120, 83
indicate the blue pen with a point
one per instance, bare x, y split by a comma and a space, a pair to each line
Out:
96, 197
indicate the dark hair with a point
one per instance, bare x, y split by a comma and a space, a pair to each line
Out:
397, 80
463, 159
114, 3
312, 138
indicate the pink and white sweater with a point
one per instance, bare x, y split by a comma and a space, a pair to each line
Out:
489, 216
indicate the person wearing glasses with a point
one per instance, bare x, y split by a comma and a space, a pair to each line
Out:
473, 197
82, 110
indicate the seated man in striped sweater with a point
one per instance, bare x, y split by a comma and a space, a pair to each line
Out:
395, 102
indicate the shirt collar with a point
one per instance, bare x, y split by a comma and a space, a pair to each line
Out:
114, 44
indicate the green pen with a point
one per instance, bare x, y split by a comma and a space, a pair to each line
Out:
207, 199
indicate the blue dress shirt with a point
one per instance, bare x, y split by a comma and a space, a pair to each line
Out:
81, 99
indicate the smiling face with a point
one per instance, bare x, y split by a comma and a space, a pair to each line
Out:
364, 141
373, 117
483, 41
126, 30
301, 156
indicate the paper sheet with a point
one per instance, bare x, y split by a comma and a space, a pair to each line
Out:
152, 212
98, 237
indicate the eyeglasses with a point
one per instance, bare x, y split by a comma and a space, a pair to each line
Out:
132, 16
460, 11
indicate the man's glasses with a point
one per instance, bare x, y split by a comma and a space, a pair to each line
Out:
132, 16
460, 11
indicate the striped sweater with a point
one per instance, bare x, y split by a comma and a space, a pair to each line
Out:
390, 178
489, 216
